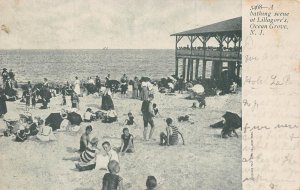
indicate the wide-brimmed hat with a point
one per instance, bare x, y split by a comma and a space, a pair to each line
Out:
4, 69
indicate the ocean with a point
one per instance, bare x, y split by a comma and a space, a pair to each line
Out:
64, 65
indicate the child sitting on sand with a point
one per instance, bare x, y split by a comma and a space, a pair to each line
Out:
109, 155
155, 109
112, 181
85, 138
201, 100
89, 116
194, 106
88, 157
130, 120
112, 154
151, 183
127, 142
171, 138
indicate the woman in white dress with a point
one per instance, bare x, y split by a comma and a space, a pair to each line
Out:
77, 86
145, 91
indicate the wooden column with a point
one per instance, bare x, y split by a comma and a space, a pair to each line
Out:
238, 69
188, 70
231, 70
176, 67
183, 68
192, 69
213, 68
203, 68
216, 69
178, 38
197, 69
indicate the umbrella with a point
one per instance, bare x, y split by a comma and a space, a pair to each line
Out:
113, 84
217, 125
198, 88
54, 120
74, 118
233, 120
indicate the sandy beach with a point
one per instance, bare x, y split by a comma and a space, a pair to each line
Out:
206, 161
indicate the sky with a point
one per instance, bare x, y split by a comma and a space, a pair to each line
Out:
116, 24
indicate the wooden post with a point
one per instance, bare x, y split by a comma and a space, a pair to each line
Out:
220, 69
203, 68
188, 70
216, 69
213, 68
176, 67
238, 69
197, 69
192, 69
176, 59
231, 69
183, 68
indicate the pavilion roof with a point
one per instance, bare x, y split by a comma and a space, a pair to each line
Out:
233, 25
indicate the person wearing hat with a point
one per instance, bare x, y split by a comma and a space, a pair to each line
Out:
3, 99
89, 116
11, 74
65, 124
98, 83
4, 76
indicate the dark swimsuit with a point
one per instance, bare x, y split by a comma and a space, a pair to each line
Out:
126, 141
130, 121
112, 180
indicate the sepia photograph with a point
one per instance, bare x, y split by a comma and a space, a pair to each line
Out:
121, 95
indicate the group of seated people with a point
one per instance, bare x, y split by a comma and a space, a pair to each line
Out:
109, 116
25, 128
91, 157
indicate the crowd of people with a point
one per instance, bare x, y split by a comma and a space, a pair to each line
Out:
89, 156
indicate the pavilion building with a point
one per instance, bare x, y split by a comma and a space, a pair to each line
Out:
224, 57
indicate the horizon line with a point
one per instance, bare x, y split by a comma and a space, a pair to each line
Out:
87, 49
